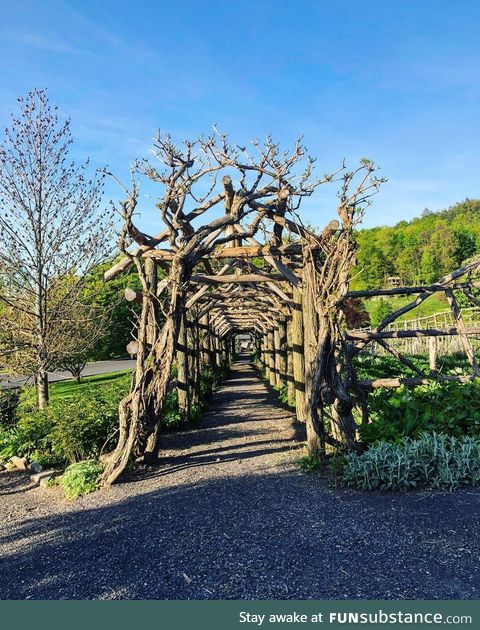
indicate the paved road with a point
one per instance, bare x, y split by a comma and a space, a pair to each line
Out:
226, 515
91, 369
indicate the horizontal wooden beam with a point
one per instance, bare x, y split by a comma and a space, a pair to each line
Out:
233, 279
244, 251
411, 290
391, 383
355, 335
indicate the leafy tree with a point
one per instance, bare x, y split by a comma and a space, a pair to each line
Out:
421, 250
120, 315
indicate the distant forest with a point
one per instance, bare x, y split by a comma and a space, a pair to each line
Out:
419, 251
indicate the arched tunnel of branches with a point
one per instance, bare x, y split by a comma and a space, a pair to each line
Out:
233, 256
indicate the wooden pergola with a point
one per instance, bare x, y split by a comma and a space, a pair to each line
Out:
233, 256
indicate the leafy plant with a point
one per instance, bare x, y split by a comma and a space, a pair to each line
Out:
80, 479
70, 429
433, 460
310, 464
8, 405
449, 408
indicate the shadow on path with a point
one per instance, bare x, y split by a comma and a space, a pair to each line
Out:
228, 516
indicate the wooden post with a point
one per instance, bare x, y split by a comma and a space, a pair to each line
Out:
196, 360
271, 359
277, 357
151, 276
310, 332
266, 342
462, 332
298, 362
264, 354
432, 353
182, 368
282, 351
290, 377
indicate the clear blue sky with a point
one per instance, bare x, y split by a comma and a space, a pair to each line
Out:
397, 81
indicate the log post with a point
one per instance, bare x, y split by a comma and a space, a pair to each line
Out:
432, 354
196, 361
182, 367
271, 359
298, 362
290, 377
282, 351
277, 356
310, 332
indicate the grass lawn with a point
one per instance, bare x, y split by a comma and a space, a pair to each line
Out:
434, 304
63, 389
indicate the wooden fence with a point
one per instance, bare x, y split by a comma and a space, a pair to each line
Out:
432, 346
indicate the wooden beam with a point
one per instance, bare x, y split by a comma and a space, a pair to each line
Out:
410, 290
233, 279
391, 383
407, 334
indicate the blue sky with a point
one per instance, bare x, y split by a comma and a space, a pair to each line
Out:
396, 81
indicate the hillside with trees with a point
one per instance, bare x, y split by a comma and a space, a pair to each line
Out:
418, 251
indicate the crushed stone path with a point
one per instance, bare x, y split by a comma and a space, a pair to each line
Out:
227, 515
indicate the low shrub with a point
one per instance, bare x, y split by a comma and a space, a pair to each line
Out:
8, 405
70, 429
310, 464
449, 408
171, 416
433, 460
80, 479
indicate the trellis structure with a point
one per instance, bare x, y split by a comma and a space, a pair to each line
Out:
233, 256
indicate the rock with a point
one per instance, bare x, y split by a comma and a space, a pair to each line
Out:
19, 462
10, 466
2, 467
35, 467
41, 478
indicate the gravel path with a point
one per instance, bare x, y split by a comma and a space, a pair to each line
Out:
227, 515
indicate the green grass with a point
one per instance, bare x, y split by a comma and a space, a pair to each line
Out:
63, 389
432, 305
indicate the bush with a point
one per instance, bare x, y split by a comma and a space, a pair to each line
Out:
8, 406
309, 464
80, 479
433, 460
449, 408
70, 429
380, 309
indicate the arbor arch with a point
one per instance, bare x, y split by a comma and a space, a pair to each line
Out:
233, 255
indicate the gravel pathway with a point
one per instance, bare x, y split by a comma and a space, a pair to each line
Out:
227, 515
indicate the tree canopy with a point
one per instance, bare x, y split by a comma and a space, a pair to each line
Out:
418, 251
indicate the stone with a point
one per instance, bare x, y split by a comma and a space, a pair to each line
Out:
43, 477
35, 467
10, 466
19, 462
2, 467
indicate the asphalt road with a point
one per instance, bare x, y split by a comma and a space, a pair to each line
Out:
91, 369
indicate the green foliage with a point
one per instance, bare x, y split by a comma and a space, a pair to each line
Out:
70, 429
8, 405
80, 479
449, 408
171, 416
310, 464
419, 251
432, 460
109, 297
369, 366
379, 310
